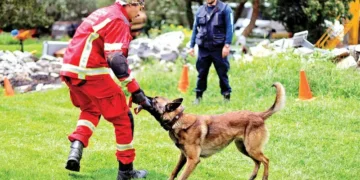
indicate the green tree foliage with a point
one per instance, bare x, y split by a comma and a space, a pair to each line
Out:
42, 13
308, 14
77, 9
103, 3
22, 14
166, 12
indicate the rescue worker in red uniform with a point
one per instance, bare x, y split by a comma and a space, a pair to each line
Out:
100, 45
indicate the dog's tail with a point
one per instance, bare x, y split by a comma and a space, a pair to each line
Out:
279, 101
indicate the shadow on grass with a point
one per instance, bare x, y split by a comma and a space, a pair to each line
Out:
156, 175
112, 174
74, 175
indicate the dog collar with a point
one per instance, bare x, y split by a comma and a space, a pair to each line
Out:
168, 126
178, 116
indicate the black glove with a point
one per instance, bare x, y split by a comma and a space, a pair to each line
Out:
139, 97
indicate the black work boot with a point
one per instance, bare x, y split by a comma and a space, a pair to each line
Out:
198, 98
127, 172
73, 162
227, 97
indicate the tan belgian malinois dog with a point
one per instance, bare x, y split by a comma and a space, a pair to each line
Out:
204, 135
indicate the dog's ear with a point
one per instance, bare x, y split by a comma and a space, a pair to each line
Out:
179, 100
170, 107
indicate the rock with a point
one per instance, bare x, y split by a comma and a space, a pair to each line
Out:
340, 53
260, 51
346, 63
23, 89
39, 87
283, 43
354, 51
303, 51
164, 47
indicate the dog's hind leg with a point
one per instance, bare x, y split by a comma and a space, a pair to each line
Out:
254, 142
180, 164
261, 157
241, 147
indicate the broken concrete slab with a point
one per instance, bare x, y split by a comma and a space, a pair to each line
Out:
163, 47
355, 51
339, 54
260, 51
22, 69
346, 63
300, 40
283, 43
303, 51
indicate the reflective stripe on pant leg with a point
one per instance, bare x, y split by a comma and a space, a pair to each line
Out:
111, 101
89, 117
84, 129
125, 151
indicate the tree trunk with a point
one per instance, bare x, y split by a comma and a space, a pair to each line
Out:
254, 16
189, 13
239, 10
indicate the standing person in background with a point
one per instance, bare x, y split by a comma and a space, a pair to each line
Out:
101, 43
212, 32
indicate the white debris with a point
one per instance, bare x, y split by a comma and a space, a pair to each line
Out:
164, 47
337, 29
303, 51
346, 63
25, 71
260, 51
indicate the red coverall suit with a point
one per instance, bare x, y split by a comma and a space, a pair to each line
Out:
87, 74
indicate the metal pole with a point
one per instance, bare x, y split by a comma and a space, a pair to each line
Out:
22, 45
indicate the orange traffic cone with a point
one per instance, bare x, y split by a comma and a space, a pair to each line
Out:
184, 79
304, 88
8, 88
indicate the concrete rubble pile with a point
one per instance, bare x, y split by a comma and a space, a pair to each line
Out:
347, 57
163, 48
28, 73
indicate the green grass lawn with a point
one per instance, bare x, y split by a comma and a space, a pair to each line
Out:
309, 140
37, 48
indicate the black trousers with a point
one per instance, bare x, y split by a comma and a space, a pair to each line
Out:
203, 64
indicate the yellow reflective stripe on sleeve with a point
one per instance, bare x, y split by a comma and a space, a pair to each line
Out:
88, 45
124, 147
101, 25
86, 51
85, 71
113, 46
127, 80
86, 123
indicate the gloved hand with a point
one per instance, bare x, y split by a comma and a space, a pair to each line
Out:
139, 97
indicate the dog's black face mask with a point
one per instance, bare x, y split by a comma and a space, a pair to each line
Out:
154, 113
158, 109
